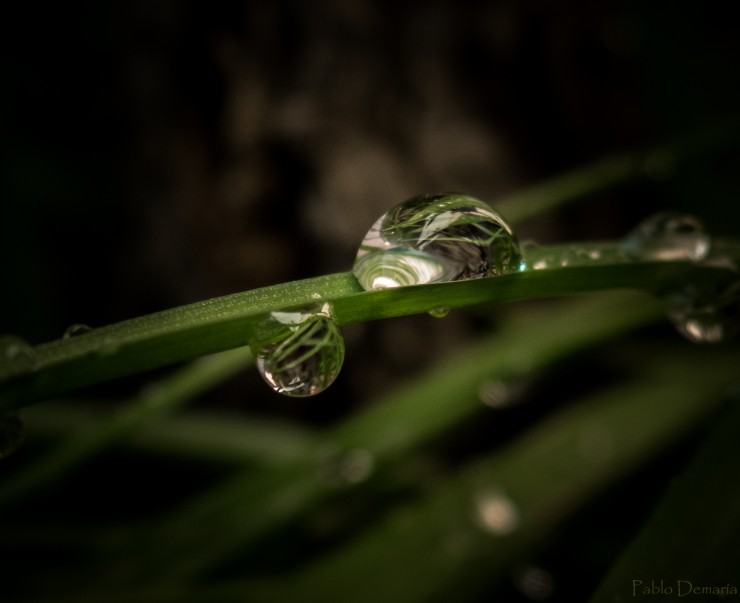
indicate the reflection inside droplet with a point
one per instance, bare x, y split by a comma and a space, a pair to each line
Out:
299, 353
436, 238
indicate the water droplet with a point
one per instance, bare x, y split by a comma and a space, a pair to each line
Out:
347, 468
500, 394
439, 312
16, 355
496, 513
11, 434
75, 330
668, 236
534, 583
436, 238
299, 353
706, 316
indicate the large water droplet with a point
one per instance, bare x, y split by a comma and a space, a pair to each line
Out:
76, 330
668, 236
11, 434
299, 353
436, 238
16, 355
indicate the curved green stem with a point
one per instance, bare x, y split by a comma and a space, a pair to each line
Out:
229, 322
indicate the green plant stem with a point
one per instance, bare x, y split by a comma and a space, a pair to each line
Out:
613, 171
223, 439
693, 536
152, 404
228, 322
219, 324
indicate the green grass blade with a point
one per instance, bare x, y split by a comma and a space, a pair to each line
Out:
152, 404
692, 539
227, 322
200, 436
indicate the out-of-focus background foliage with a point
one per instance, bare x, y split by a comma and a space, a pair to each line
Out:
159, 153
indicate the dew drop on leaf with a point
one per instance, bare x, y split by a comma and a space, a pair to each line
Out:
706, 315
299, 353
16, 355
439, 312
11, 434
75, 330
433, 239
668, 236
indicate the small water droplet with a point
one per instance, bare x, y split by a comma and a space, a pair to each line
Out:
16, 355
668, 236
436, 238
496, 512
11, 434
75, 330
706, 316
500, 394
534, 583
299, 353
347, 468
439, 312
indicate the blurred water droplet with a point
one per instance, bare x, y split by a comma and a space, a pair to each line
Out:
496, 512
439, 312
500, 394
347, 468
16, 355
436, 238
706, 316
299, 353
11, 434
668, 236
534, 583
76, 330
